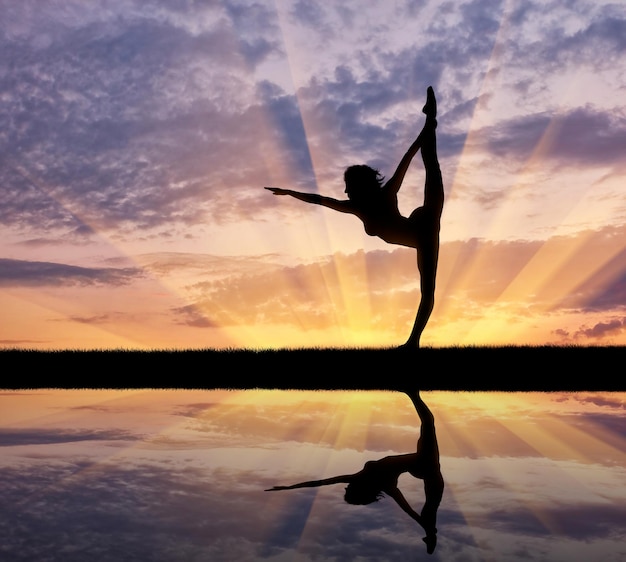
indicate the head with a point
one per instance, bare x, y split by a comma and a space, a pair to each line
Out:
361, 181
362, 493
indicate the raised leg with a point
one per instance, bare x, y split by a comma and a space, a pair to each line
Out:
428, 452
428, 222
433, 189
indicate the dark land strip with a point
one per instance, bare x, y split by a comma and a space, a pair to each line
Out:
513, 369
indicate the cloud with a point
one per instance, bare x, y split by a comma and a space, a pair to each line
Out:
143, 120
79, 235
285, 115
99, 319
159, 114
602, 329
257, 29
311, 294
127, 131
23, 343
567, 138
379, 289
604, 289
21, 273
604, 33
191, 316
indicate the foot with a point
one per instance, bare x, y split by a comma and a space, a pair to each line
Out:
430, 109
409, 346
410, 388
431, 543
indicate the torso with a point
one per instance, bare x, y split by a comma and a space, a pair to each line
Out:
388, 469
382, 218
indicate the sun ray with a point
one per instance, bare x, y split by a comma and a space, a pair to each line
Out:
353, 307
537, 278
461, 272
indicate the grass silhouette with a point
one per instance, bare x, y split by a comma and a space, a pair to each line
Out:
471, 368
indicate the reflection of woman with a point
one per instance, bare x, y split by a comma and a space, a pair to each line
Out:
376, 204
381, 477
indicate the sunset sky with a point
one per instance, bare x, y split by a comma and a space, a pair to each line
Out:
136, 138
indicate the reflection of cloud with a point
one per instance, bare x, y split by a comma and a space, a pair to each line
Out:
193, 410
607, 401
13, 437
577, 522
195, 491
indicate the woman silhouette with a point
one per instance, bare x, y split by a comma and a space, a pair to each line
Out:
376, 203
381, 477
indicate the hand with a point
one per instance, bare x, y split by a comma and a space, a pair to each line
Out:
278, 190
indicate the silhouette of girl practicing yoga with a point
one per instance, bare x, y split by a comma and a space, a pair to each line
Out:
381, 477
376, 203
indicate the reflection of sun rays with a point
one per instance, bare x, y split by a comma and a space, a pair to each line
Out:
149, 431
347, 427
550, 433
72, 416
309, 432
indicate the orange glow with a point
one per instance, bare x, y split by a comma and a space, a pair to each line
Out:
326, 297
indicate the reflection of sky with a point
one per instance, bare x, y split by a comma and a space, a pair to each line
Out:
178, 475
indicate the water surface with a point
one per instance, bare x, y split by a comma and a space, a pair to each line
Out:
180, 475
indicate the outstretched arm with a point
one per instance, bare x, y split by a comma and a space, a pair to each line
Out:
397, 495
426, 519
315, 199
395, 183
430, 109
314, 483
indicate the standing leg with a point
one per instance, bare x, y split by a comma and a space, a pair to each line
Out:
427, 442
428, 453
427, 257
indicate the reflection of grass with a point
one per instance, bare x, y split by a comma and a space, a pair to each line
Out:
542, 368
